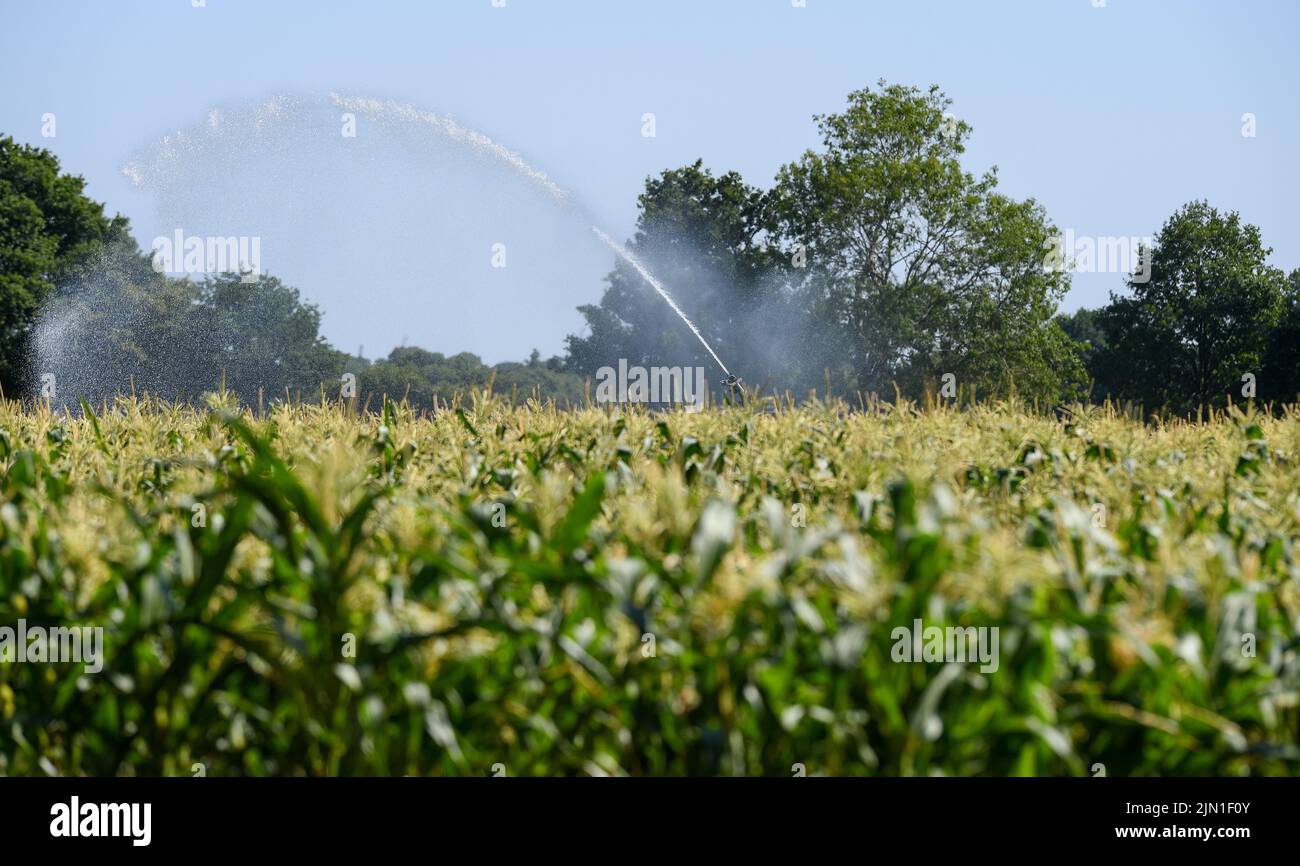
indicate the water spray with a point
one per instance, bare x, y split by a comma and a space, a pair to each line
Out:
389, 110
173, 148
663, 293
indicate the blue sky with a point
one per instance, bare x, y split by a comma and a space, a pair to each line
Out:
1110, 117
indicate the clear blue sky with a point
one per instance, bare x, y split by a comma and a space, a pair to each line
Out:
1111, 117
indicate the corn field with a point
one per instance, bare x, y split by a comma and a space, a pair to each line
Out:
501, 589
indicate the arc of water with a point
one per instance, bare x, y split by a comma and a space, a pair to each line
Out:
390, 110
663, 293
394, 111
453, 130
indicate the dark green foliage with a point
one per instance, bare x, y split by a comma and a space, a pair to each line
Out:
1084, 327
48, 231
926, 268
1280, 379
1185, 338
420, 376
124, 327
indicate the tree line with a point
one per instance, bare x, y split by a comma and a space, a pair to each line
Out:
874, 264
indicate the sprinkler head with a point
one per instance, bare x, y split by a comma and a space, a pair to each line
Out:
731, 381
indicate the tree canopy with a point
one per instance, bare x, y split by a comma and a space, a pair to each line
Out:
1204, 319
48, 229
876, 260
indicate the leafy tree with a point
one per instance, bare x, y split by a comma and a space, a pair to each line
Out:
49, 230
928, 269
1280, 380
119, 326
261, 335
1084, 327
546, 380
419, 376
1185, 337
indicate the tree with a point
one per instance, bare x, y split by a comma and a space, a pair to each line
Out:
928, 269
49, 230
115, 326
261, 335
1280, 380
1185, 337
119, 326
1084, 327
418, 375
